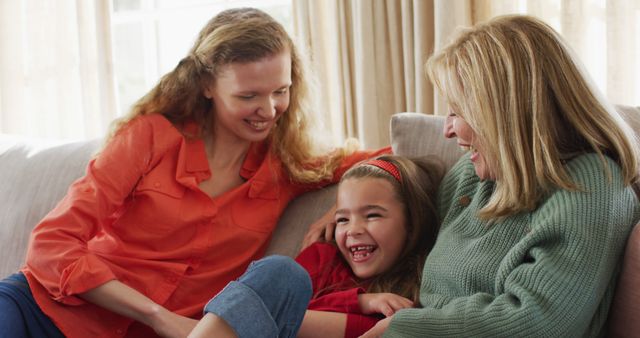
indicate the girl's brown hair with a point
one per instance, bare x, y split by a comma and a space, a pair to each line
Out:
240, 35
417, 191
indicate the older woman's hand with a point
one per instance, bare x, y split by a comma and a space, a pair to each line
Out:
321, 230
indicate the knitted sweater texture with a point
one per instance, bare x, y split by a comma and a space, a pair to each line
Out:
550, 272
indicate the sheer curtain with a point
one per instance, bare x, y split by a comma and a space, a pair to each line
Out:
370, 53
55, 68
604, 34
368, 56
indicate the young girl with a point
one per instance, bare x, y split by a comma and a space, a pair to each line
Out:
386, 223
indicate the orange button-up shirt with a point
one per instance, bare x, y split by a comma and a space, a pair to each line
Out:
138, 216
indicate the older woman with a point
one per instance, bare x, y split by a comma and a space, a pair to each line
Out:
535, 216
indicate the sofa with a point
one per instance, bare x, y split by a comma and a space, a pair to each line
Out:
34, 175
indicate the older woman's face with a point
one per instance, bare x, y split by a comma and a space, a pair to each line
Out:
456, 126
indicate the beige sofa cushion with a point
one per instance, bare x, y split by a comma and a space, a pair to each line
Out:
34, 176
632, 116
624, 320
415, 134
297, 217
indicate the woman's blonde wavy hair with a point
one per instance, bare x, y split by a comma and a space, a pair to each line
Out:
240, 35
516, 83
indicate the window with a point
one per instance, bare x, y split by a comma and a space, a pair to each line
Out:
150, 37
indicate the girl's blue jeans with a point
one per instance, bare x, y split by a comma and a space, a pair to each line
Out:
269, 300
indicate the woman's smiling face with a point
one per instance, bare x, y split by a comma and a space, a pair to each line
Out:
456, 126
250, 97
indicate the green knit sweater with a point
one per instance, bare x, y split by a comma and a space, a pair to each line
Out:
546, 273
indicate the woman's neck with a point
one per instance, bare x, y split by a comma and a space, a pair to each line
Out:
224, 153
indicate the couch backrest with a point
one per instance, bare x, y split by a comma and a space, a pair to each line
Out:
415, 134
624, 319
34, 176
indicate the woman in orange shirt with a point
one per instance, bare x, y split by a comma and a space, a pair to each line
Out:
184, 195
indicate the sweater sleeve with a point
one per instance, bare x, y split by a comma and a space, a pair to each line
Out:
345, 301
58, 255
555, 281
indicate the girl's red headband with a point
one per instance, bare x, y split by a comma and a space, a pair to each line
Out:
386, 166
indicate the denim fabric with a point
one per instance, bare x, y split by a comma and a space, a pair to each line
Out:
269, 300
20, 315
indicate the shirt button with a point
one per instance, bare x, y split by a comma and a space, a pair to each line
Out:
119, 332
157, 184
464, 200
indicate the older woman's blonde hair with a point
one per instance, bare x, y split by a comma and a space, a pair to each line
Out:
240, 35
515, 82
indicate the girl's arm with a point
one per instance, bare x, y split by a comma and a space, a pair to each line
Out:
357, 317
326, 324
383, 303
323, 324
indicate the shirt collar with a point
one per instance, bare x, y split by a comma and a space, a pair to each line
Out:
192, 157
254, 159
192, 160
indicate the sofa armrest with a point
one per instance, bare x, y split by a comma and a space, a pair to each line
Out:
299, 214
625, 309
34, 176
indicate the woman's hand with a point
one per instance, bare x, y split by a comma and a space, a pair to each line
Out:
212, 326
385, 303
322, 229
168, 324
126, 301
378, 329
